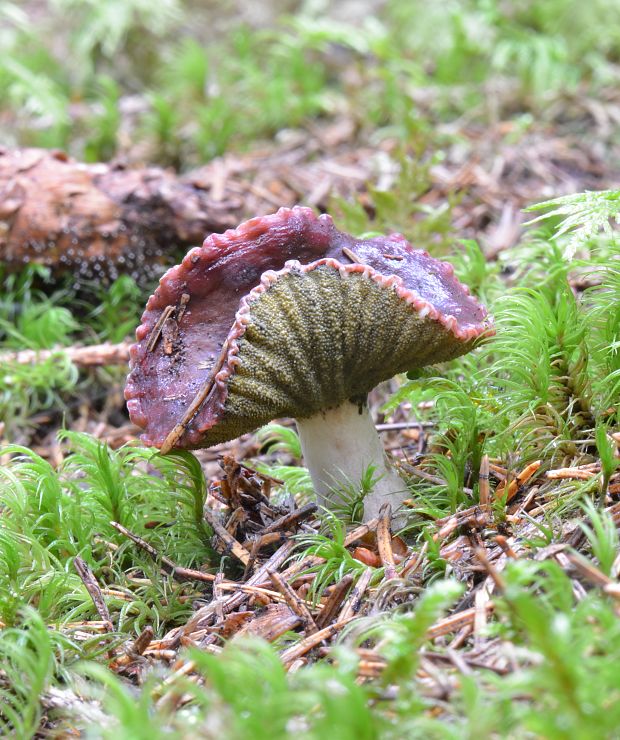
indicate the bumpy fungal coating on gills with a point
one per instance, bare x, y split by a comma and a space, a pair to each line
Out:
274, 319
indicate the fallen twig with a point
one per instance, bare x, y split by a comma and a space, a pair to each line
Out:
94, 355
482, 556
176, 571
588, 570
510, 491
419, 473
483, 482
571, 473
272, 623
93, 588
291, 520
413, 562
204, 616
135, 649
456, 621
301, 648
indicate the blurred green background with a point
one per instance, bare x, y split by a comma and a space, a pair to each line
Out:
179, 82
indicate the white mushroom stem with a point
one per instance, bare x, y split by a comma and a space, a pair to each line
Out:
338, 446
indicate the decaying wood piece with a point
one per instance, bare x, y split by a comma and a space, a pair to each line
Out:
204, 616
98, 219
291, 520
513, 487
354, 602
134, 650
301, 648
384, 541
334, 601
272, 623
456, 621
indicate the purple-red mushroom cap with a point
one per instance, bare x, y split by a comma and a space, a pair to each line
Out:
287, 316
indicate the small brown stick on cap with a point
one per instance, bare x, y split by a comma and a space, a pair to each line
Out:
352, 256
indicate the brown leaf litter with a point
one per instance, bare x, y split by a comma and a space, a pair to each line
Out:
270, 596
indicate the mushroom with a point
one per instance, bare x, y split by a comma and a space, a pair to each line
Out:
286, 316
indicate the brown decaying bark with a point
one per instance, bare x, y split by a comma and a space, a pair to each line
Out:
98, 219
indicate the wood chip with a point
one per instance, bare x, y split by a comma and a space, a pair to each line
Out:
94, 590
297, 604
230, 543
272, 623
334, 601
353, 603
384, 541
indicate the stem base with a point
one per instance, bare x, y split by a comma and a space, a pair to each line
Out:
338, 446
